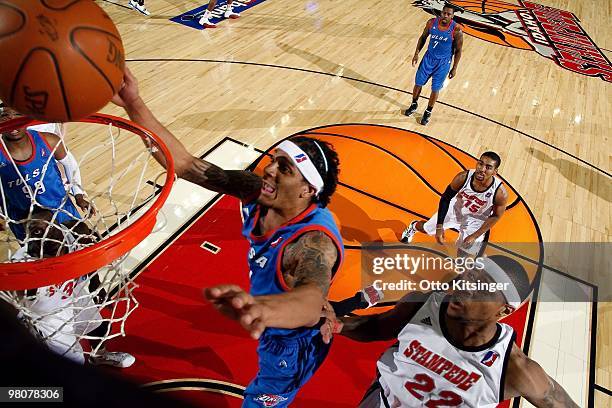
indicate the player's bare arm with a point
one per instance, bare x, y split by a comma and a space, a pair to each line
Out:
242, 184
377, 327
71, 169
458, 46
445, 200
310, 261
527, 379
422, 41
307, 268
499, 208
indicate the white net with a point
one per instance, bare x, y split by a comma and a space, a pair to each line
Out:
44, 217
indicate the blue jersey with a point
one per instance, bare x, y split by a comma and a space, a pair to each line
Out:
42, 178
265, 253
440, 42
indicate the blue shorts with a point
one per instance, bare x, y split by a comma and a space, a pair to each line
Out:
437, 69
284, 367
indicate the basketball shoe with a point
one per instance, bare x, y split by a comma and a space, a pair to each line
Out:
426, 117
411, 109
112, 358
409, 232
139, 6
205, 20
229, 13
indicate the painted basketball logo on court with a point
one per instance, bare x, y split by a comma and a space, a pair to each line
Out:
554, 34
389, 177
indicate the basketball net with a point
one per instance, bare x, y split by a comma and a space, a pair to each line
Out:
56, 275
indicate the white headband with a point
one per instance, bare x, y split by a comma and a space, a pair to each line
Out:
510, 293
303, 163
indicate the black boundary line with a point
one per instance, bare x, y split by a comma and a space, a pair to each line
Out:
117, 4
433, 141
593, 356
603, 389
378, 85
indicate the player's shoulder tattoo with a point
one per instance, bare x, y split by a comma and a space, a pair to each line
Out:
310, 260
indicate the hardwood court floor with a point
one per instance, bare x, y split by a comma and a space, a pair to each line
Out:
287, 66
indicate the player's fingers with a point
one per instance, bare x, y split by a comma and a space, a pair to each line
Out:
242, 299
251, 314
220, 291
257, 329
326, 333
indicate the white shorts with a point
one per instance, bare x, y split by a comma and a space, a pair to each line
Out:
465, 225
62, 327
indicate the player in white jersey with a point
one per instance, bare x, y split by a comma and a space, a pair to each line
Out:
65, 312
451, 350
473, 202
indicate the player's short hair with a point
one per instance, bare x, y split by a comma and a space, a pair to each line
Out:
449, 6
41, 212
516, 272
311, 146
492, 156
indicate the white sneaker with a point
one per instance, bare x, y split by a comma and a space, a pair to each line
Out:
113, 358
205, 21
409, 232
372, 295
140, 7
229, 13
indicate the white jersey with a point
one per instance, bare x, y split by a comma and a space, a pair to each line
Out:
469, 203
424, 369
63, 312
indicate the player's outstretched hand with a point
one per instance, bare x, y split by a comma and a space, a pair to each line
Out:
128, 92
452, 73
84, 204
331, 324
236, 304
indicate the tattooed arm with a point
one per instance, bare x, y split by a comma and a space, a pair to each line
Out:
307, 268
375, 327
527, 379
242, 184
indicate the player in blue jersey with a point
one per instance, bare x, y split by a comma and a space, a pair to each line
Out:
28, 168
445, 42
295, 249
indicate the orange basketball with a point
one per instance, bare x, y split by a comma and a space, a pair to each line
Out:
61, 59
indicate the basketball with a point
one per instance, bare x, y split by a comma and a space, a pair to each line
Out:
62, 59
